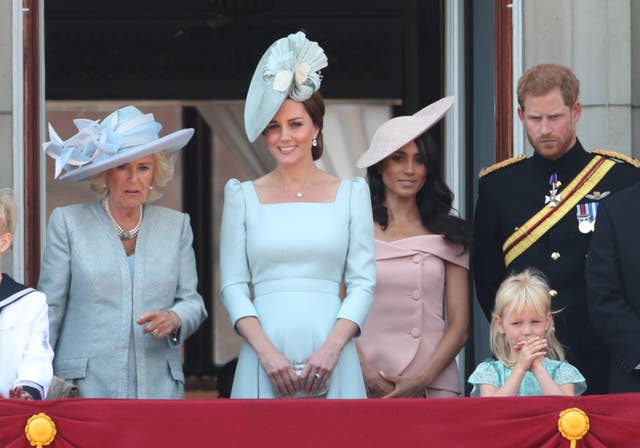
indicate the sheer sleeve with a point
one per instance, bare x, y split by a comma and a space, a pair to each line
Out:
234, 265
360, 269
485, 373
566, 373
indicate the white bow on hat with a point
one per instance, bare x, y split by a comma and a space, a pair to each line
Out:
123, 136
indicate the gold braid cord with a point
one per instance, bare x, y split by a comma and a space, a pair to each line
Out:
540, 223
497, 166
618, 156
573, 424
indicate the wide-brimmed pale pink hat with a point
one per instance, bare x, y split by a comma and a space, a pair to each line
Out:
397, 132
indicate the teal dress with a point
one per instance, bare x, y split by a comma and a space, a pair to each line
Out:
495, 373
283, 263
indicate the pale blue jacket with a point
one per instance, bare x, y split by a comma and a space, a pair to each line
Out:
93, 304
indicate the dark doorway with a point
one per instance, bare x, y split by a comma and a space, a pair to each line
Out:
193, 50
207, 49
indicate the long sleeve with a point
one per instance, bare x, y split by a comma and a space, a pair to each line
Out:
609, 307
360, 269
234, 265
188, 303
35, 369
488, 263
55, 276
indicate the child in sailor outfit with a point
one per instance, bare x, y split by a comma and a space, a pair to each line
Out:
25, 353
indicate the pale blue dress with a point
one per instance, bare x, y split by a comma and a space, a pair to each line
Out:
495, 373
293, 256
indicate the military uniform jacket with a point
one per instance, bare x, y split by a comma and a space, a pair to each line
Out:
507, 198
613, 285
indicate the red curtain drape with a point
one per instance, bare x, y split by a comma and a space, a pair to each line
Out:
461, 422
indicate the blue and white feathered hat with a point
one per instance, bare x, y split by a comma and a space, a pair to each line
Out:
288, 69
123, 136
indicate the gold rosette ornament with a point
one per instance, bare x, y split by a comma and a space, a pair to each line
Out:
40, 430
573, 424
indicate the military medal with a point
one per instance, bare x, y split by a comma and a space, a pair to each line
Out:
554, 197
586, 214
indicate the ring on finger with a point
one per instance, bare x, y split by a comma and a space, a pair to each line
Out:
155, 332
316, 376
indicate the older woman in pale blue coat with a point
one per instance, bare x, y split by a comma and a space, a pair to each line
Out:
120, 274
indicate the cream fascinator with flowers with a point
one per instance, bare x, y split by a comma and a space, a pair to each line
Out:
122, 136
288, 69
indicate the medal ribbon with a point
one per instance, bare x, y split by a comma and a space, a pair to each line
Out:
553, 197
581, 210
539, 224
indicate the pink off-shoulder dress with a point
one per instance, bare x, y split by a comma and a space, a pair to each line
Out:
407, 320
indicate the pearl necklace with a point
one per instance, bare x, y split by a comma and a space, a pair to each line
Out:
124, 235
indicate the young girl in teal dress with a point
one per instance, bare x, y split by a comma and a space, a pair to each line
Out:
529, 358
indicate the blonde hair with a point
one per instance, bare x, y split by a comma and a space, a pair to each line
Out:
526, 289
162, 174
8, 212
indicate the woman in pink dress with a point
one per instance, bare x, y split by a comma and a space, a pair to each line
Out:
420, 315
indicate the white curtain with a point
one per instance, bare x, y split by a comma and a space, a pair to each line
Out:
348, 129
226, 120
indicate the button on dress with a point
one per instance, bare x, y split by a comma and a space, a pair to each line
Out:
407, 320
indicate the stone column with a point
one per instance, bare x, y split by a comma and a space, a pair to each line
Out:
6, 107
595, 38
6, 95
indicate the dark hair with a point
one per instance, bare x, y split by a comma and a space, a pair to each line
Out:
433, 200
315, 108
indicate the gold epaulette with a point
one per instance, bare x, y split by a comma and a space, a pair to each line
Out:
497, 166
618, 156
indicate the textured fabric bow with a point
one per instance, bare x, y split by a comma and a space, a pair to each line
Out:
293, 65
95, 141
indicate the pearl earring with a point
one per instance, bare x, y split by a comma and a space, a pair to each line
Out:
150, 187
314, 142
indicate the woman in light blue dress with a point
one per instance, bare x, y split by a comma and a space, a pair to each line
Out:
529, 358
288, 241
